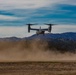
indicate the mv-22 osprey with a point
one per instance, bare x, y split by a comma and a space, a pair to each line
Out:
40, 30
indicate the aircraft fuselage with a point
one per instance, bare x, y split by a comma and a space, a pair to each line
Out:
40, 32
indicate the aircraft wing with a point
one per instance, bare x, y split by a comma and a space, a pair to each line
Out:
33, 29
38, 29
45, 29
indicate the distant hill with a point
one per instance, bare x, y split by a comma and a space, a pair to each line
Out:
48, 36
10, 39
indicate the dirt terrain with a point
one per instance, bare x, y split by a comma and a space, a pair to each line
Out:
63, 63
37, 68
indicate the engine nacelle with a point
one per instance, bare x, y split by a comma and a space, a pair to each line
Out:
29, 28
50, 28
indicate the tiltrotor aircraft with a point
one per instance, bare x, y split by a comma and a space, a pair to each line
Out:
40, 30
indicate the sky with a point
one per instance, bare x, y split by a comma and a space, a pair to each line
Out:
15, 14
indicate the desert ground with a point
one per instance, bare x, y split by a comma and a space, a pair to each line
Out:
38, 68
21, 58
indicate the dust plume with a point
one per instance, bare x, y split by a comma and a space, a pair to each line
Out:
34, 50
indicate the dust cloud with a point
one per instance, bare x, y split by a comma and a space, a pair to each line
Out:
31, 51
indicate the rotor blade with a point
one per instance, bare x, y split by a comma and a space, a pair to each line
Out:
49, 24
30, 24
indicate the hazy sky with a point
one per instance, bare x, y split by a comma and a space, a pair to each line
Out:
14, 14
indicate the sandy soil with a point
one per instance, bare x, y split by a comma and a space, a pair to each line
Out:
37, 68
21, 51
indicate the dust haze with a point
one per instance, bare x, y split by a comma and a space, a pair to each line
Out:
31, 51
